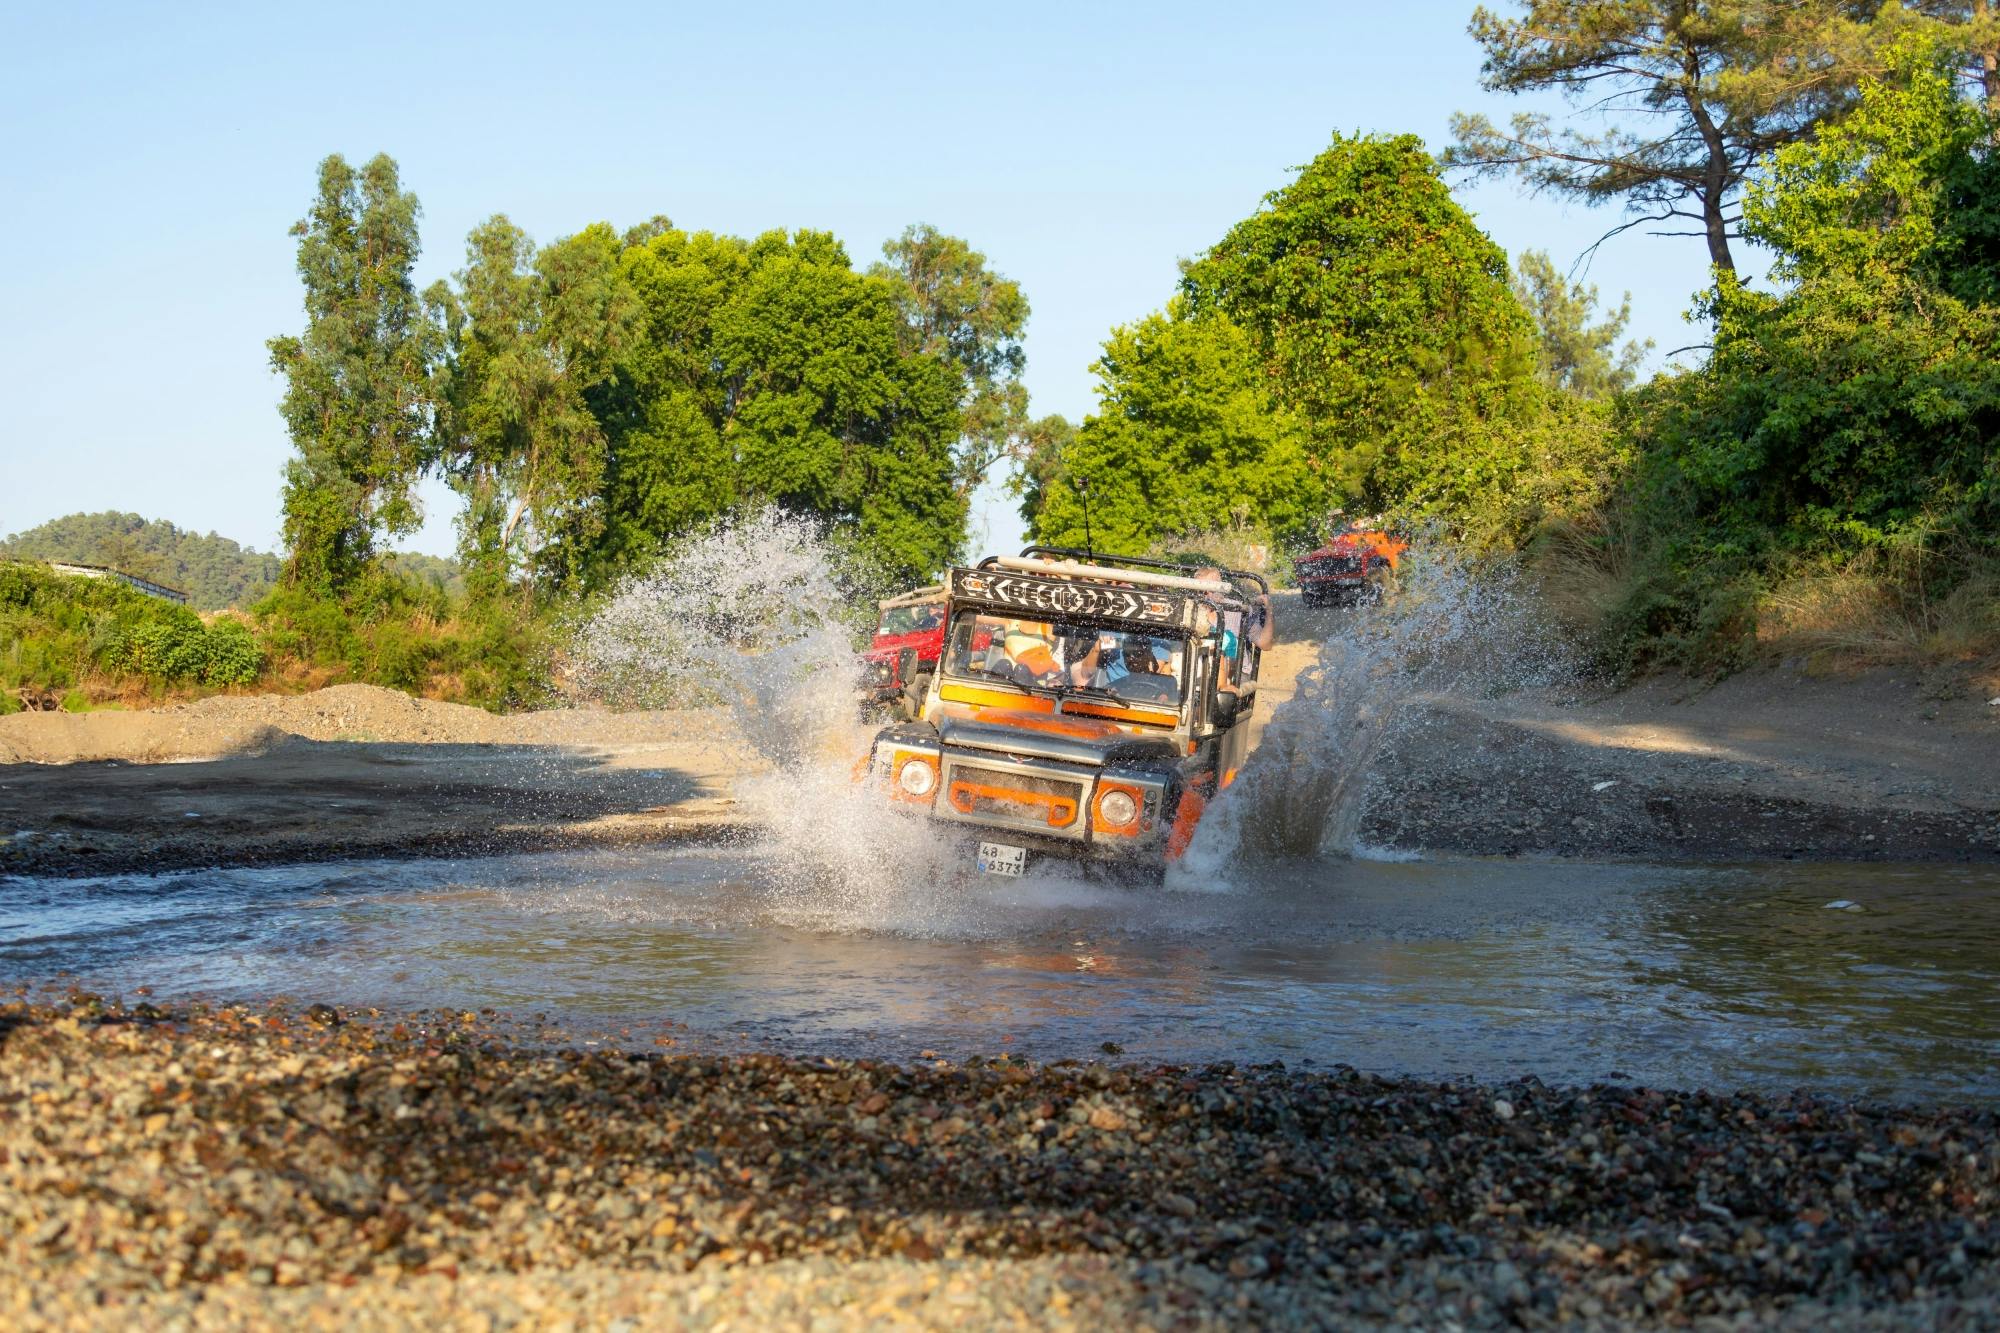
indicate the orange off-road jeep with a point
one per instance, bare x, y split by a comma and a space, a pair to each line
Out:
1352, 567
1085, 706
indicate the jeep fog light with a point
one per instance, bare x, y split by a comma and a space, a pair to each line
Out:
916, 777
1117, 808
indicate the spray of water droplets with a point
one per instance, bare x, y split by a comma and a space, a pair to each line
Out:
763, 616
1455, 628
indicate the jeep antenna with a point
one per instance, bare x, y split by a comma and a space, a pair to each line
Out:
1083, 491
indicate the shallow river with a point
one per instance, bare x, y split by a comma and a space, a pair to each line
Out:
1719, 977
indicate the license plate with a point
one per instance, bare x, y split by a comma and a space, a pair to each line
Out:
997, 858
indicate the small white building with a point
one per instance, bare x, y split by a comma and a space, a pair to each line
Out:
147, 586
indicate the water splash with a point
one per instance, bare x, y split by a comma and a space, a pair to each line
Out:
1454, 628
765, 616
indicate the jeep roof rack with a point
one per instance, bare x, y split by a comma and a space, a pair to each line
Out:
1174, 567
916, 597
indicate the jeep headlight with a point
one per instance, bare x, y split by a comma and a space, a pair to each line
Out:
1117, 808
916, 777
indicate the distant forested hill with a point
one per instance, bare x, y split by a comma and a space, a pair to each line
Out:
214, 570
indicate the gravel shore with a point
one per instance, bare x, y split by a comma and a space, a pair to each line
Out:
197, 1167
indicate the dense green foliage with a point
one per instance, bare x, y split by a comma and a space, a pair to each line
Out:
1851, 421
58, 630
214, 571
1831, 474
953, 306
74, 639
392, 631
1187, 439
1354, 343
594, 397
771, 372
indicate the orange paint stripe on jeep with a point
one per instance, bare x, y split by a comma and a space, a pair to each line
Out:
1036, 703
967, 694
1186, 816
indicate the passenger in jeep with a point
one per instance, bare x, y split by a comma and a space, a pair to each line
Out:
1255, 629
1130, 665
1028, 654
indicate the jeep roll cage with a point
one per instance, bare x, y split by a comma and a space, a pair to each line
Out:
1077, 556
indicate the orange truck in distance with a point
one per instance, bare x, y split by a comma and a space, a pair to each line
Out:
1352, 567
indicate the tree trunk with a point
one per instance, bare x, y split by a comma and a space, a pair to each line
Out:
1989, 60
1715, 181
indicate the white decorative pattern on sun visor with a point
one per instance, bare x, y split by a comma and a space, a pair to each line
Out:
1069, 598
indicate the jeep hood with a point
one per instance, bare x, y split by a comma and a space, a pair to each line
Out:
1079, 740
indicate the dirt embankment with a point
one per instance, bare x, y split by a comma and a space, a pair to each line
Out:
1764, 765
1772, 764
350, 771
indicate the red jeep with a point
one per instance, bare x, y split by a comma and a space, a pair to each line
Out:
1352, 567
904, 655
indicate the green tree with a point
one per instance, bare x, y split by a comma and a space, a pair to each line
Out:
1853, 416
1576, 355
1692, 95
954, 307
1186, 439
357, 381
670, 467
1377, 314
1871, 390
830, 415
530, 336
769, 371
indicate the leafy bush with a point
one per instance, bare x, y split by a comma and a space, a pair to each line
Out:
181, 649
57, 629
77, 641
414, 636
1838, 457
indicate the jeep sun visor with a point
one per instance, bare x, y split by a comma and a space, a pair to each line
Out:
1070, 599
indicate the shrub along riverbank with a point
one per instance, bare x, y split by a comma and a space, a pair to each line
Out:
79, 643
1830, 478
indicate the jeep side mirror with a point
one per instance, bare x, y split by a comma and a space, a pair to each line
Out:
1223, 713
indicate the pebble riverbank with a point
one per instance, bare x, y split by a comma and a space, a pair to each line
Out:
221, 1167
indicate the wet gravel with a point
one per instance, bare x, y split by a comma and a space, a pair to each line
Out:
206, 1167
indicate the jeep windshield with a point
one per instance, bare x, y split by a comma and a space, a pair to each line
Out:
1130, 666
911, 619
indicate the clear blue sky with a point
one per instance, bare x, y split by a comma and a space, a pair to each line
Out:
156, 156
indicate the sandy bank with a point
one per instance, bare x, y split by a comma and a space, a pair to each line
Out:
284, 1165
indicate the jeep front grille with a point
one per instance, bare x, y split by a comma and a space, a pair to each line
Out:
1015, 798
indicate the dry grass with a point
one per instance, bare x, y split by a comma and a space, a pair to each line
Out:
1233, 548
1584, 571
1916, 608
1866, 616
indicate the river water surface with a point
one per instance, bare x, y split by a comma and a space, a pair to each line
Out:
1717, 977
